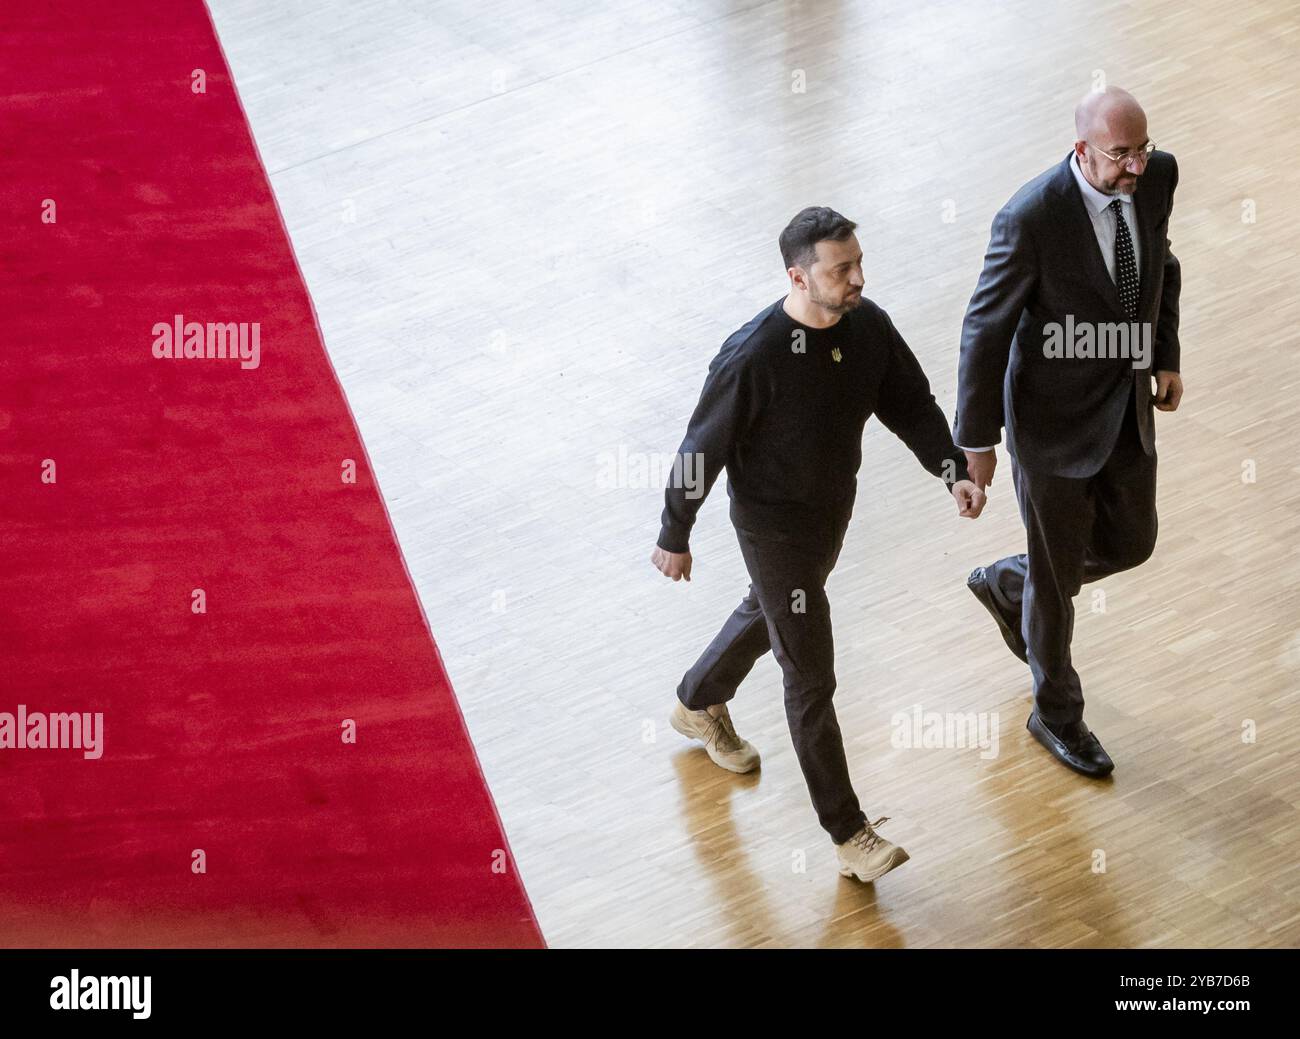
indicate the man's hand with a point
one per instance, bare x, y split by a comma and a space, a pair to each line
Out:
980, 465
970, 499
1169, 390
672, 564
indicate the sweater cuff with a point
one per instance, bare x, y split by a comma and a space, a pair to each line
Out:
960, 471
673, 539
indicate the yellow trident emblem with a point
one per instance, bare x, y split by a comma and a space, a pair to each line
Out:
835, 354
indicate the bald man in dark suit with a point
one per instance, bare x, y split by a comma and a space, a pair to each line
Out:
1074, 317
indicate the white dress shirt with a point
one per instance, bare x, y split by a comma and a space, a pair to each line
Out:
1103, 220
1103, 225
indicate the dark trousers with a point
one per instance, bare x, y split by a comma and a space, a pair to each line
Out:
1078, 530
787, 611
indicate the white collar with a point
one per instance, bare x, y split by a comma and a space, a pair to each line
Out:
1097, 201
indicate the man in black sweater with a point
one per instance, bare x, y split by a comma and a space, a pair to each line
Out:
783, 409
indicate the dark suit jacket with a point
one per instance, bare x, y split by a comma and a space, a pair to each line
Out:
1063, 415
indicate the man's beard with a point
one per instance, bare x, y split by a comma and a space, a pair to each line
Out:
1115, 187
835, 308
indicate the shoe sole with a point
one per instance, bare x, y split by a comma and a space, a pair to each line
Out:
895, 860
692, 735
980, 589
1045, 743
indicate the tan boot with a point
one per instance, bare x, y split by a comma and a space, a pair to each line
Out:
713, 728
867, 855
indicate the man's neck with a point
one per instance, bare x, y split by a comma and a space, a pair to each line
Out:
809, 314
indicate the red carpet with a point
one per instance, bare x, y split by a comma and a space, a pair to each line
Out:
222, 730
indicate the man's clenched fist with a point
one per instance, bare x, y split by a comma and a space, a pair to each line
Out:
672, 564
970, 499
980, 465
1169, 390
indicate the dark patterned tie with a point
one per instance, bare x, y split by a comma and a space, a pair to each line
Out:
1126, 271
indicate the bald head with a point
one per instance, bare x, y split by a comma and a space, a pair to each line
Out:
1105, 111
1110, 122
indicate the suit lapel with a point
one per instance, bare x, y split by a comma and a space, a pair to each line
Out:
1079, 227
1151, 249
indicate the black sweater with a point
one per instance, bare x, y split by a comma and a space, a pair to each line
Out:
785, 418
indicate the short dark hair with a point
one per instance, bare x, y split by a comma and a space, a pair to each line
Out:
810, 226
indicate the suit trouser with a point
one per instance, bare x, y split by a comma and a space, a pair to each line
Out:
1078, 530
787, 611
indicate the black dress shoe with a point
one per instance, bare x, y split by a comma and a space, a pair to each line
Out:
1008, 621
1072, 745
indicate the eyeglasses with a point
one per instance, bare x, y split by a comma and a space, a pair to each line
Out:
1123, 159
